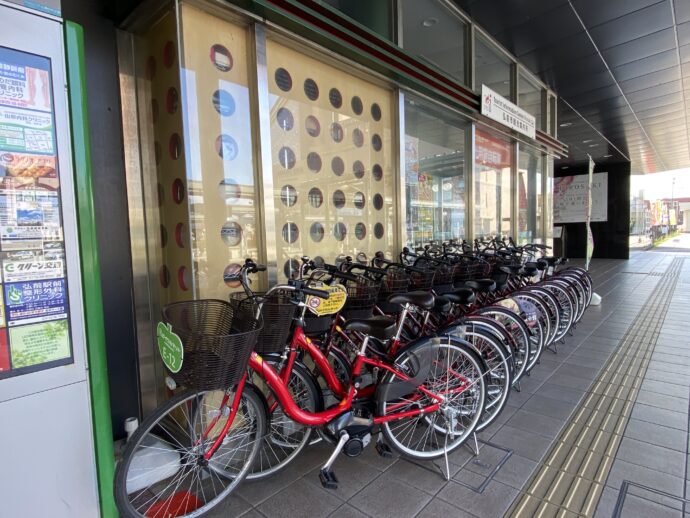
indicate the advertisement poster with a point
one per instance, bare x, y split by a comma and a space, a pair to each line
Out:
34, 324
571, 198
590, 236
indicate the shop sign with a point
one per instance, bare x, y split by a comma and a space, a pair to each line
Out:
21, 271
500, 109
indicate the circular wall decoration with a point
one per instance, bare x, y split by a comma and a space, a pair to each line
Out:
337, 132
157, 152
232, 269
175, 146
359, 200
223, 102
180, 235
286, 157
376, 142
229, 190
150, 71
335, 97
226, 147
378, 230
377, 172
154, 111
339, 231
337, 166
356, 105
360, 231
311, 89
316, 232
358, 169
164, 236
178, 191
172, 100
285, 119
231, 233
290, 232
288, 195
169, 54
358, 137
183, 280
315, 197
376, 112
378, 201
312, 126
164, 276
314, 162
221, 57
291, 268
339, 199
283, 80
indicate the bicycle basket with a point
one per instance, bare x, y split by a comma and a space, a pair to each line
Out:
278, 313
464, 271
217, 340
422, 279
362, 293
444, 275
396, 280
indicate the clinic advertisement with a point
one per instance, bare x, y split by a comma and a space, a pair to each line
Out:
34, 306
571, 198
35, 301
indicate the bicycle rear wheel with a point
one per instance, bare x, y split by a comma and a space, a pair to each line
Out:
163, 471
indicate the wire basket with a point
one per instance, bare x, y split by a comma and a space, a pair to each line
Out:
362, 293
423, 279
465, 271
444, 275
396, 280
217, 339
278, 313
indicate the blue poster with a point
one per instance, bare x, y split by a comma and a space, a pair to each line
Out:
35, 301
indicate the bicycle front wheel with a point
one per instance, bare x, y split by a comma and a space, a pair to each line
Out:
163, 471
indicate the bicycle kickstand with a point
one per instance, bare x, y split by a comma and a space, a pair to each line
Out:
327, 475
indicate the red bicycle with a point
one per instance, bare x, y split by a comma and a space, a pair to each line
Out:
194, 450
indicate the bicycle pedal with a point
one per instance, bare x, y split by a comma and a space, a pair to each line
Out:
328, 479
384, 450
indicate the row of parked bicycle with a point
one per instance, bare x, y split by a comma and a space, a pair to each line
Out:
414, 354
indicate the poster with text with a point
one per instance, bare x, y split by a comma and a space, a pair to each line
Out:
39, 343
571, 198
35, 301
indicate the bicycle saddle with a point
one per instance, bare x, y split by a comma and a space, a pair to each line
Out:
421, 299
551, 260
481, 285
380, 327
464, 296
542, 264
442, 304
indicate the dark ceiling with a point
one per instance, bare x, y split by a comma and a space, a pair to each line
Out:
621, 69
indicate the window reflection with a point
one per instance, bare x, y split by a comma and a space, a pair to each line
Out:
434, 173
492, 189
491, 68
530, 197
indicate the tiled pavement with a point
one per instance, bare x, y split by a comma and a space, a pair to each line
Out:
645, 475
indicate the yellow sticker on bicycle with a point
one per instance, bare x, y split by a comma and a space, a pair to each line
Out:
337, 295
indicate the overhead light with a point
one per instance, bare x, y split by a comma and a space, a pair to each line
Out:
566, 124
608, 156
565, 167
430, 22
593, 145
587, 141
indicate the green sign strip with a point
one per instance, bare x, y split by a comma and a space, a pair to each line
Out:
90, 269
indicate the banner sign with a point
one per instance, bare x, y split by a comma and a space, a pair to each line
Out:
490, 151
500, 109
590, 237
571, 198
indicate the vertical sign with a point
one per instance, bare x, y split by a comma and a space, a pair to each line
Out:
590, 237
34, 322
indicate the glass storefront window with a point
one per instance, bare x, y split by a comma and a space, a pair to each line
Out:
548, 205
529, 99
492, 186
530, 201
434, 173
491, 67
436, 35
333, 167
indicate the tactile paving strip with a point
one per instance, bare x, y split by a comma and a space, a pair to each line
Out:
573, 473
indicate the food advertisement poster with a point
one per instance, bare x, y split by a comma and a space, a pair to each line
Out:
34, 321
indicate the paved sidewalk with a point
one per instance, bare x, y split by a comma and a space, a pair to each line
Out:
599, 429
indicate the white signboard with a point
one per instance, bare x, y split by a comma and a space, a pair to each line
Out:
570, 198
501, 110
